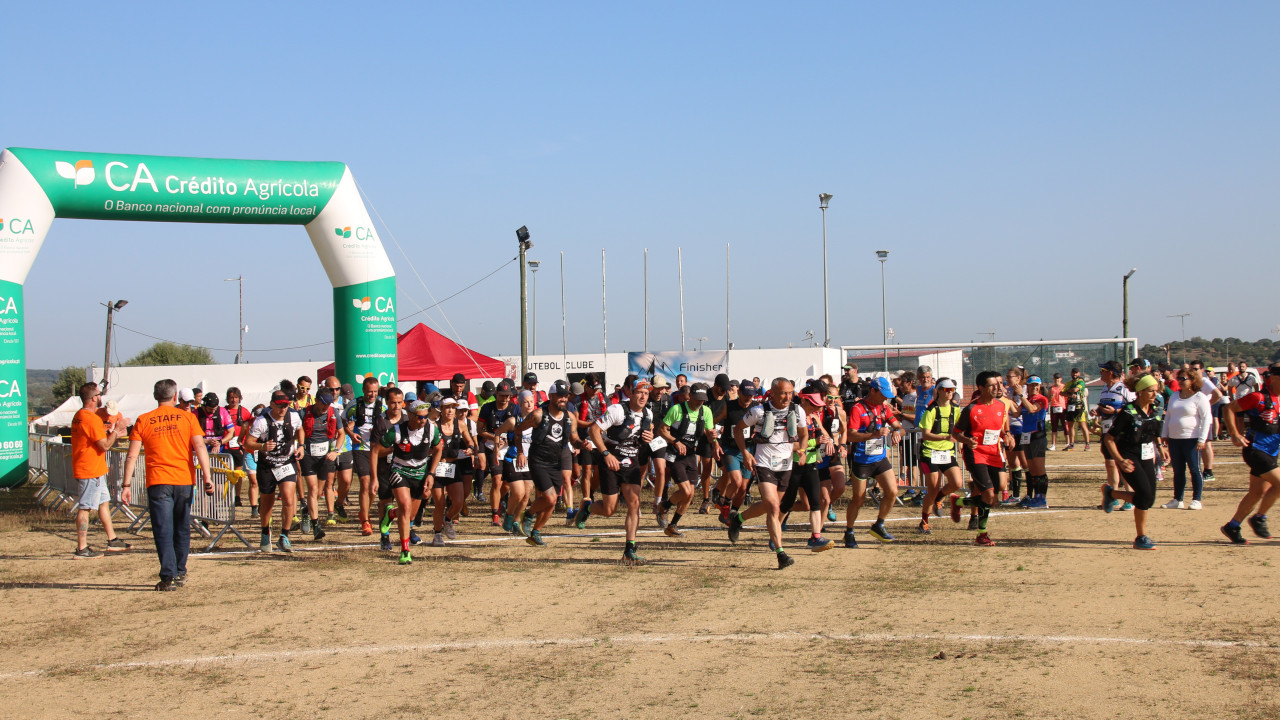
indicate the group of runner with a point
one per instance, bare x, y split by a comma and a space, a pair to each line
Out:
802, 447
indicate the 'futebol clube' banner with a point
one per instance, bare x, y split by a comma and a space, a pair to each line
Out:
38, 185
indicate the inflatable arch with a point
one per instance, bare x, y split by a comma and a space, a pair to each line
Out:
37, 186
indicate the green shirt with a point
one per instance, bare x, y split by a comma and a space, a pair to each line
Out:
700, 418
944, 419
1077, 393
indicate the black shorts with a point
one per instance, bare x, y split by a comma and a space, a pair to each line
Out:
267, 481
985, 477
1071, 416
589, 458
511, 474
362, 463
458, 472
1037, 447
546, 477
764, 475
237, 457
871, 470
345, 460
928, 466
384, 480
685, 469
416, 487
321, 467
1259, 463
611, 481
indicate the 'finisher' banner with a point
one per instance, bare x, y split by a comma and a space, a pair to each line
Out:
697, 366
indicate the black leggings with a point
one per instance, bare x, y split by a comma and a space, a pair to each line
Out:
1143, 482
807, 476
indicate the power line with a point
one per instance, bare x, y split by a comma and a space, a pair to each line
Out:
441, 302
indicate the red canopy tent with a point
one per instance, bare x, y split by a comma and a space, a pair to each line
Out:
425, 354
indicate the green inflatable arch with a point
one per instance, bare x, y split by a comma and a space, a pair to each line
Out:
37, 186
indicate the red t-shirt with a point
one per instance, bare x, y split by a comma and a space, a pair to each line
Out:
984, 423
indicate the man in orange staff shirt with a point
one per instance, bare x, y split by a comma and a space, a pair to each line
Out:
90, 441
169, 435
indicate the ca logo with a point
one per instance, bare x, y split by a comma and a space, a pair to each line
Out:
81, 173
361, 303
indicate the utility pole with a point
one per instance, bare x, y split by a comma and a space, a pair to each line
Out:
823, 199
522, 237
239, 279
1125, 320
680, 278
106, 354
1183, 317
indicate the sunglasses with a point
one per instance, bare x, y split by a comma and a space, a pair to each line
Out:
833, 397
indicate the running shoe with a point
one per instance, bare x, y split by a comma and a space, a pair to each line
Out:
526, 525
518, 529
785, 561
724, 515
253, 514
1208, 476
340, 510
1106, 498
384, 542
1142, 542
1070, 446
166, 585
937, 507
849, 540
264, 542
818, 544
437, 540
535, 539
1259, 526
118, 545
735, 527
406, 558
331, 521
878, 532
831, 514
497, 520
984, 540
1086, 447
1126, 506
479, 496
317, 533
660, 516
507, 523
449, 531
1174, 504
1053, 448
705, 507
955, 508
973, 522
388, 516
1195, 505
631, 558
414, 539
924, 528
1038, 502
283, 543
366, 529
87, 552
580, 521
568, 517
672, 531
305, 525
1234, 535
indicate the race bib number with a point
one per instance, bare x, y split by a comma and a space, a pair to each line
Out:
318, 448
990, 437
940, 457
282, 471
446, 469
657, 444
874, 446
1072, 407
1024, 439
1148, 451
1056, 410
781, 464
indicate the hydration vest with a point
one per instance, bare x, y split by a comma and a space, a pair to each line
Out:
767, 424
407, 454
681, 430
937, 421
219, 428
626, 437
283, 451
1260, 425
361, 406
309, 423
1145, 429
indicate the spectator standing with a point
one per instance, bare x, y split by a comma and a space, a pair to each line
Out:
90, 440
1186, 427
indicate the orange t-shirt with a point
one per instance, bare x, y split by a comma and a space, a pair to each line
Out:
87, 461
166, 434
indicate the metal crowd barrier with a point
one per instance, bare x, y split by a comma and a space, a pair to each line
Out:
220, 507
38, 464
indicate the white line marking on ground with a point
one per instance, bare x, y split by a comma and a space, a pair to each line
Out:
638, 639
619, 533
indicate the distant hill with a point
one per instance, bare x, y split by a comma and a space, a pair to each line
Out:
40, 400
1218, 351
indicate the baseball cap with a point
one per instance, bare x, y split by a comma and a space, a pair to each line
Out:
1075, 370
947, 383
746, 387
487, 387
577, 388
641, 384
429, 388
660, 382
279, 398
448, 401
410, 397
699, 389
418, 405
209, 400
506, 386
1112, 365
459, 377
531, 377
883, 385
1034, 380
558, 387
722, 381
1140, 362
813, 397
185, 395
846, 367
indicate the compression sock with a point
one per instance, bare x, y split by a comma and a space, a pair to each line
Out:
983, 514
1042, 487
404, 545
631, 546
675, 518
1233, 524
1015, 482
584, 512
666, 504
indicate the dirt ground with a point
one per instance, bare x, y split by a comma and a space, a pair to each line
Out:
1061, 619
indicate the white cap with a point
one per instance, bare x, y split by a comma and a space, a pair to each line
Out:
186, 395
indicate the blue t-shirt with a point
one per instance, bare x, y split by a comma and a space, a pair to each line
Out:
863, 419
1255, 407
923, 398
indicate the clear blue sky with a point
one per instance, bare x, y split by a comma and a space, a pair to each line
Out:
1044, 148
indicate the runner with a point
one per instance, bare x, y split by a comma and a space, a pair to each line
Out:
1214, 393
781, 432
530, 383
1111, 402
590, 409
805, 475
1033, 443
624, 435
239, 416
1057, 409
492, 417
359, 420
381, 463
1017, 460
685, 430
983, 430
339, 486
736, 477
1131, 439
871, 428
1261, 445
276, 438
1186, 430
324, 437
216, 423
831, 466
411, 448
660, 402
852, 389
718, 398
937, 451
553, 429
448, 494
1076, 414
516, 475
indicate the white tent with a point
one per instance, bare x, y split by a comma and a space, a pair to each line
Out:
131, 387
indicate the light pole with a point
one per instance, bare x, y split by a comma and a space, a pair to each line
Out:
1125, 321
823, 199
239, 279
700, 341
1183, 317
522, 237
534, 265
883, 255
106, 355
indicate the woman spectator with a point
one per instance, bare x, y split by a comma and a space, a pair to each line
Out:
1187, 423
